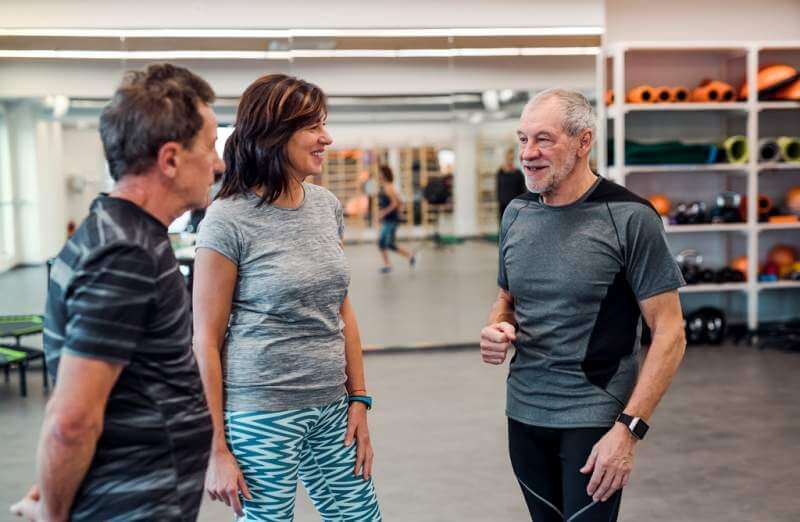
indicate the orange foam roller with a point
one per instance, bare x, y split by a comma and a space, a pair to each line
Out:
640, 94
661, 94
678, 94
713, 91
763, 206
771, 78
609, 97
790, 92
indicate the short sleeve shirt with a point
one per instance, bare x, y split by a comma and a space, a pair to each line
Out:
116, 294
577, 274
284, 346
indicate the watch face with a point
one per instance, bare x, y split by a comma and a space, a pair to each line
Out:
640, 428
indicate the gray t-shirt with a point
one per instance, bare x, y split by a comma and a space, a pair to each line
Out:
284, 347
577, 274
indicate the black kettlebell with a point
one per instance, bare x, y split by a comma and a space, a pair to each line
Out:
705, 326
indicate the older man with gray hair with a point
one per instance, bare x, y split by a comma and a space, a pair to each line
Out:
581, 261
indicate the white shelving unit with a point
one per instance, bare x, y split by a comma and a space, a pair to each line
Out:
630, 63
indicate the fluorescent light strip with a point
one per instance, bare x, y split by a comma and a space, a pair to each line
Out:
308, 33
294, 54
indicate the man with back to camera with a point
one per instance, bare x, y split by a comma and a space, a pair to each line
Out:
510, 183
126, 434
580, 259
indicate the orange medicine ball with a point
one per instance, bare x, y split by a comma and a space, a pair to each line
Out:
793, 200
661, 203
740, 264
784, 256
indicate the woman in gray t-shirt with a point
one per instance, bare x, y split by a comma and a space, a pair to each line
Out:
275, 335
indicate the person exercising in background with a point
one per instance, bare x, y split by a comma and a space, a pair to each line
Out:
389, 217
510, 184
581, 260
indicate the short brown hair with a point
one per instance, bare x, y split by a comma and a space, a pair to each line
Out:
270, 111
150, 108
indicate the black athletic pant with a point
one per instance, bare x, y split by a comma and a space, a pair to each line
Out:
546, 462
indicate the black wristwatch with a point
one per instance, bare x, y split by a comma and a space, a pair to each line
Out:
635, 425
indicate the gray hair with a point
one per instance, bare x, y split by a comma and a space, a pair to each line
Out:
578, 114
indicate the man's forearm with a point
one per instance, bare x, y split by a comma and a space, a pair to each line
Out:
660, 365
502, 310
63, 459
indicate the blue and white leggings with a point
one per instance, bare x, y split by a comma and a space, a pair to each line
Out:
274, 448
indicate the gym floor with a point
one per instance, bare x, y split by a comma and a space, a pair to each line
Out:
723, 445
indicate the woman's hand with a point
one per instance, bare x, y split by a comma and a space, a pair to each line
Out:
224, 480
357, 428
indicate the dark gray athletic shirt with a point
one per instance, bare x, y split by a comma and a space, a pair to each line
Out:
116, 294
577, 273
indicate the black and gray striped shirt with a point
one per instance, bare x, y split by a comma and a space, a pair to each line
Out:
115, 293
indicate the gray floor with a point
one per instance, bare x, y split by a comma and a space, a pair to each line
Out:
724, 445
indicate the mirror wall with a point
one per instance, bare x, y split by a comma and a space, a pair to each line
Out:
439, 108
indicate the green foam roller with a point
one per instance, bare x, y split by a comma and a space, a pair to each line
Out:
789, 148
735, 149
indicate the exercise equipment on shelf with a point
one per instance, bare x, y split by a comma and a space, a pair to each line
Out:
793, 200
640, 94
661, 94
678, 94
726, 209
790, 93
609, 97
783, 257
709, 91
661, 203
789, 148
735, 148
763, 208
768, 149
690, 263
694, 213
706, 325
771, 79
739, 264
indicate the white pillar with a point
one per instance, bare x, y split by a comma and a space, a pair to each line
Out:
37, 178
465, 181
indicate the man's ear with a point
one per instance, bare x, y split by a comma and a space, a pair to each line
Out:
168, 158
585, 141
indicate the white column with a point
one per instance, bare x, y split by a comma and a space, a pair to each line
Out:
465, 181
40, 192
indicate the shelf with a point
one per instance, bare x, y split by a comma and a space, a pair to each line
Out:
688, 106
778, 105
778, 166
721, 227
779, 285
724, 287
778, 226
737, 168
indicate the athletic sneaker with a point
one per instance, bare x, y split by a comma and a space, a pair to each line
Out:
412, 261
386, 269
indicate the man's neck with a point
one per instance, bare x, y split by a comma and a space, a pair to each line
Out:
571, 188
150, 196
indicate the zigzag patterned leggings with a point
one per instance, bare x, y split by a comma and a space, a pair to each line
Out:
273, 448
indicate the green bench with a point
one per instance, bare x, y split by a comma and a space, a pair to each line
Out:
18, 326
